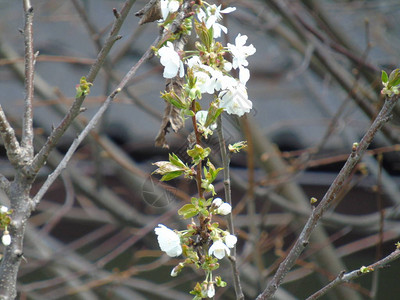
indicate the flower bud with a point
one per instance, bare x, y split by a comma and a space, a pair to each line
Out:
175, 271
224, 209
210, 290
230, 240
217, 202
6, 238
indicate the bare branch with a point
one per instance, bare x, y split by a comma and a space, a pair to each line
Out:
11, 143
74, 111
228, 198
92, 124
27, 123
300, 244
346, 277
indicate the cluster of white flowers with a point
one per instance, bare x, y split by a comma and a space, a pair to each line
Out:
6, 238
168, 240
222, 208
210, 78
221, 248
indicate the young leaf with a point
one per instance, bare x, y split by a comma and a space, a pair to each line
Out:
385, 77
171, 175
188, 211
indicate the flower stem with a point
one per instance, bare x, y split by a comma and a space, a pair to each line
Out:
197, 134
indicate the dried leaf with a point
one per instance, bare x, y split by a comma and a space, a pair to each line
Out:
150, 12
172, 117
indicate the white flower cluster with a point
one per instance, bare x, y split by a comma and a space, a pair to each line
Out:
212, 79
222, 208
6, 238
219, 248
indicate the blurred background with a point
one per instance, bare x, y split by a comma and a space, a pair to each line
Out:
315, 86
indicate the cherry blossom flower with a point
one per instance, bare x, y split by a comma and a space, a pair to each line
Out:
168, 6
4, 209
193, 61
219, 249
211, 17
217, 202
240, 52
6, 238
244, 75
235, 100
224, 209
204, 82
168, 240
170, 59
230, 240
210, 290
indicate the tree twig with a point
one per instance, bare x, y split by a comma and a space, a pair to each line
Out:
11, 143
74, 111
228, 198
92, 123
346, 277
337, 185
27, 122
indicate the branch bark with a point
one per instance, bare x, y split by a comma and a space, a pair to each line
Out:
27, 126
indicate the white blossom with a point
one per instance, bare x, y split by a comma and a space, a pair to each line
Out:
240, 52
230, 240
212, 16
171, 60
235, 100
217, 202
219, 249
227, 66
168, 6
204, 82
4, 209
168, 240
224, 209
244, 75
210, 290
193, 61
6, 238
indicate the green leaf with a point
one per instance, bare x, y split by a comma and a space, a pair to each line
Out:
198, 153
188, 211
205, 212
171, 175
393, 74
395, 82
385, 77
194, 201
213, 113
176, 161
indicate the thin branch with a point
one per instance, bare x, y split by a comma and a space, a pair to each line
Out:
11, 143
228, 198
346, 277
92, 124
330, 196
75, 109
27, 123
